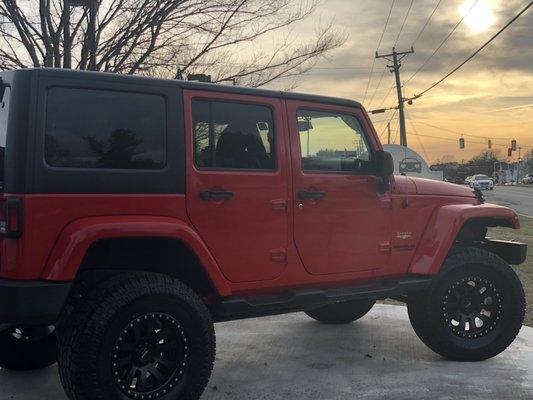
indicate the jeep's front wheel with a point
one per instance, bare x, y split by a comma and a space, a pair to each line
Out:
474, 308
140, 336
341, 313
25, 348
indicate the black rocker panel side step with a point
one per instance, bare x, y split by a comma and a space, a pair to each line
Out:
300, 300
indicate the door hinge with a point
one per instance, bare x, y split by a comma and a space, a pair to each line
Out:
385, 247
279, 205
278, 255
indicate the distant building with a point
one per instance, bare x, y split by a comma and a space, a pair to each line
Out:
505, 172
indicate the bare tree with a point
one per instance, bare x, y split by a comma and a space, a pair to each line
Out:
156, 37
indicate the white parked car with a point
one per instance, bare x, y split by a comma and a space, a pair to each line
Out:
528, 179
481, 181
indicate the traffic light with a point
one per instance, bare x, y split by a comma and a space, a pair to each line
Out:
513, 145
490, 144
462, 143
510, 152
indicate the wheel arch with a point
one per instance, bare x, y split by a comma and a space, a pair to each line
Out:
75, 248
446, 226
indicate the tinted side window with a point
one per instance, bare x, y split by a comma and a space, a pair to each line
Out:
105, 129
332, 142
233, 135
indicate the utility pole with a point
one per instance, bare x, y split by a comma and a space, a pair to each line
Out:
388, 129
396, 61
518, 166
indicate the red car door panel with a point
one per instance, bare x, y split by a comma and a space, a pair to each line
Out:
341, 223
237, 195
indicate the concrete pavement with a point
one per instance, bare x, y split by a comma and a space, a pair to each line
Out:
518, 198
294, 357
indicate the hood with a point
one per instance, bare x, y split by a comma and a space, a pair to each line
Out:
410, 185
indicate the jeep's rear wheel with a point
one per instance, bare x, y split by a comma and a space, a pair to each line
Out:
474, 308
141, 336
24, 348
342, 313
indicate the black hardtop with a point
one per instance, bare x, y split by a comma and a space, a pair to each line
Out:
26, 170
211, 87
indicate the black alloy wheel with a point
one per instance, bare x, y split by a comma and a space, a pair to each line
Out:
25, 347
150, 356
472, 307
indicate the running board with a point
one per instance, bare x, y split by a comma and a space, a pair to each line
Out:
300, 300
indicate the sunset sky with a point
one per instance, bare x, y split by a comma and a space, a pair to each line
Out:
490, 97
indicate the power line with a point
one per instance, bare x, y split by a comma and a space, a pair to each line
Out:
415, 131
442, 43
390, 119
379, 121
458, 133
386, 96
377, 87
476, 52
346, 67
469, 142
450, 139
377, 49
426, 24
403, 24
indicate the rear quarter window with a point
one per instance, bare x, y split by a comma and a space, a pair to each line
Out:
88, 128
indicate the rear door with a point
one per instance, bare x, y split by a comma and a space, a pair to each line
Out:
237, 181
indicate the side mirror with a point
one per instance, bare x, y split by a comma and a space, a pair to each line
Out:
383, 164
384, 168
305, 126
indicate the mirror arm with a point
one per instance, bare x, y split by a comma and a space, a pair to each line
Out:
383, 184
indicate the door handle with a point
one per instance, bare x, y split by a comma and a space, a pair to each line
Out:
305, 195
215, 195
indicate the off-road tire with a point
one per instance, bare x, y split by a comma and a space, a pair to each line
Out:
485, 273
341, 313
90, 339
19, 352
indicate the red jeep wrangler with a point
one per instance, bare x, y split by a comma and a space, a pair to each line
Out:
136, 212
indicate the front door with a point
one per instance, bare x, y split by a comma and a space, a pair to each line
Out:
237, 182
342, 224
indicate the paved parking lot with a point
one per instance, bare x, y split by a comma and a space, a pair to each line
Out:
293, 357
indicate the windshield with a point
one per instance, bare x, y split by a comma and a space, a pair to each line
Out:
4, 112
482, 178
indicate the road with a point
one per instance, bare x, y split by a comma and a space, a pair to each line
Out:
518, 198
294, 357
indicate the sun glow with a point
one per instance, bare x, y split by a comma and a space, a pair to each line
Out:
478, 18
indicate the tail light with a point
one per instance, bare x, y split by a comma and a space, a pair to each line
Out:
11, 217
